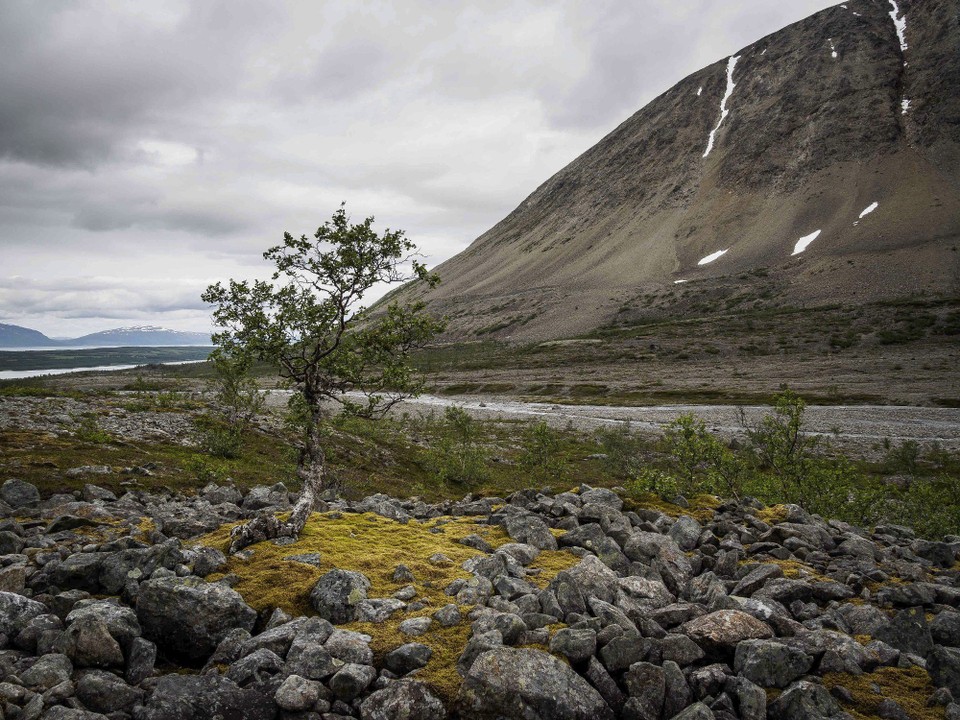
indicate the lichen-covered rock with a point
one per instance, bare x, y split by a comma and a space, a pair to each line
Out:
770, 664
188, 617
19, 494
577, 645
88, 643
407, 657
297, 694
205, 697
509, 683
104, 692
720, 631
16, 611
403, 700
806, 701
351, 680
337, 595
47, 671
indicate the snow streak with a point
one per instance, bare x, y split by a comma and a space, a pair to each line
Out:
900, 23
869, 209
712, 256
731, 64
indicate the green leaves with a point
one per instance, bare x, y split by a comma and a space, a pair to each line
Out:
309, 320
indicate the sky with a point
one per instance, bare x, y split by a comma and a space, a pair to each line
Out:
150, 149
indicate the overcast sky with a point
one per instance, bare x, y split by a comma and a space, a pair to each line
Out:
150, 148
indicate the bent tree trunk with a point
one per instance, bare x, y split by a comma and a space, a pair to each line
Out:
311, 469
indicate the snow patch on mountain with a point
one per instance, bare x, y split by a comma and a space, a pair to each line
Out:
724, 111
803, 242
713, 256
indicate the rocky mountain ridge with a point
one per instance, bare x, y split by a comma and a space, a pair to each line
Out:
825, 156
740, 612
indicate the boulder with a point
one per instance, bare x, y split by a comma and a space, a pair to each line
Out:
768, 663
720, 631
337, 594
188, 617
88, 642
19, 494
407, 657
297, 694
531, 530
806, 701
510, 683
351, 680
47, 671
16, 611
104, 692
402, 700
205, 697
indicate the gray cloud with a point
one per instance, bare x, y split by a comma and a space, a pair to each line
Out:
144, 144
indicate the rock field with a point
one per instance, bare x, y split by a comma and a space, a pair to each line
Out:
113, 607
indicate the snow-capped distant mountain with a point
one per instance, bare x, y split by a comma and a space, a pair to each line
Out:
16, 337
141, 335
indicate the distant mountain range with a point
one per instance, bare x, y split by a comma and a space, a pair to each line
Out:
15, 336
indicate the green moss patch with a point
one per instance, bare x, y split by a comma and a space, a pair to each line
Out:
909, 688
375, 545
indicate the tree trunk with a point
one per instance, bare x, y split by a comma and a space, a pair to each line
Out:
311, 469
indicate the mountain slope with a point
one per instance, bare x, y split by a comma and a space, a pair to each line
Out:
14, 336
825, 119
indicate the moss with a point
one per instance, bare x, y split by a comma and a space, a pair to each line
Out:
796, 570
908, 687
773, 514
374, 545
700, 507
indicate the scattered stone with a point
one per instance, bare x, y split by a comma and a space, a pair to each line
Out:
337, 595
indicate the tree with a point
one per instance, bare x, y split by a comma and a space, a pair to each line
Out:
309, 322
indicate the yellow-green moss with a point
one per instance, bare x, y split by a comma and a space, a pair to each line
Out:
700, 507
773, 514
796, 570
909, 688
374, 545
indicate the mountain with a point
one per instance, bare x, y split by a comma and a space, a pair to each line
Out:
141, 335
818, 165
14, 336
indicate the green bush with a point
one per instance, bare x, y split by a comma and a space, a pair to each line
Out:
457, 454
541, 452
625, 452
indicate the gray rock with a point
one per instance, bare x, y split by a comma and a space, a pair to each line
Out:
478, 644
257, 666
349, 646
597, 675
531, 530
591, 578
720, 631
756, 579
686, 532
19, 494
770, 664
680, 649
403, 700
310, 659
88, 643
80, 571
104, 692
448, 615
646, 685
945, 629
622, 652
188, 617
697, 711
207, 560
297, 694
378, 610
943, 664
337, 594
92, 493
205, 697
527, 684
47, 671
10, 543
406, 658
351, 680
417, 626
806, 701
677, 691
908, 632
121, 621
142, 658
577, 645
602, 496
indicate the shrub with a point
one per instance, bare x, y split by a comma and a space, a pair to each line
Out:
457, 454
541, 452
